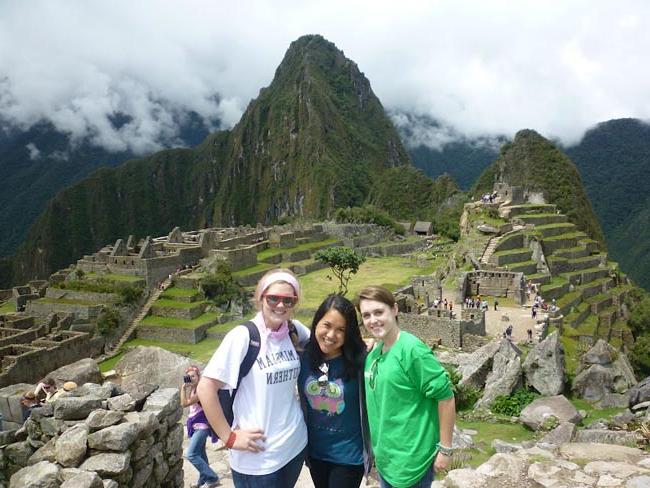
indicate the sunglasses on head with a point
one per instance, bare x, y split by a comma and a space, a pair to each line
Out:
274, 300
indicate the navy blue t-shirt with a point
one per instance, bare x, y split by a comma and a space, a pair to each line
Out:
333, 415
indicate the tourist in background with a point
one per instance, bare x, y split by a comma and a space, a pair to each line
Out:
268, 437
410, 402
198, 430
332, 392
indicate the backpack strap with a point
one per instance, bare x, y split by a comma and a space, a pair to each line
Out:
251, 354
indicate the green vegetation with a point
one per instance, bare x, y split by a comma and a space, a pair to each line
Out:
108, 320
113, 277
220, 287
367, 215
176, 292
343, 263
512, 405
7, 307
274, 251
388, 271
202, 351
533, 162
157, 321
465, 396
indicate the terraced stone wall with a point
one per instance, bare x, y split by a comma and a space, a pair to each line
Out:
494, 283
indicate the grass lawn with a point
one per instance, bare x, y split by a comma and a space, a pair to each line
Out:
154, 320
486, 433
8, 307
388, 271
254, 269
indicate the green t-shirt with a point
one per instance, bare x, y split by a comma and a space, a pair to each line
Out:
403, 387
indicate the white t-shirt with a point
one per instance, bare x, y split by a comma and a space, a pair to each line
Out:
266, 398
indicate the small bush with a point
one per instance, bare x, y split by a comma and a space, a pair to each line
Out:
108, 320
220, 287
129, 294
343, 262
466, 396
512, 405
639, 356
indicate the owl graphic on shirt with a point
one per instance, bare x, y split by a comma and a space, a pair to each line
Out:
328, 399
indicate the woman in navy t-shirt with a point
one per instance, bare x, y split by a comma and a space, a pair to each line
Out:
331, 390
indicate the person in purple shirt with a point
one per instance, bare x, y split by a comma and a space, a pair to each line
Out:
198, 430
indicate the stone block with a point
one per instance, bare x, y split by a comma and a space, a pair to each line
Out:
100, 419
45, 453
10, 401
116, 438
73, 408
40, 475
86, 479
18, 453
72, 445
164, 402
108, 464
122, 403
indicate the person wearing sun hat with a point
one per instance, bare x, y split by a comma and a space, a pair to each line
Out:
268, 436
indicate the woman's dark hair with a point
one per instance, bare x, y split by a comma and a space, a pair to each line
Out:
354, 349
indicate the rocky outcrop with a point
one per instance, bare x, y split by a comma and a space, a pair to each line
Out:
135, 448
544, 366
82, 371
144, 365
571, 465
547, 413
505, 376
603, 370
640, 393
476, 367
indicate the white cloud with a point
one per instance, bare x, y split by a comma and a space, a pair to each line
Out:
480, 68
34, 152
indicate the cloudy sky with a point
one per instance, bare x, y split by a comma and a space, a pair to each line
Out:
480, 67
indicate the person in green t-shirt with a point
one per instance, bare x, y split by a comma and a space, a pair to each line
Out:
410, 403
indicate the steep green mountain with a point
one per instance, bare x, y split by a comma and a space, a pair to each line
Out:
38, 162
535, 164
614, 159
314, 140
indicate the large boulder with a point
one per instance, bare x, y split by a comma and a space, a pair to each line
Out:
476, 367
537, 413
505, 376
640, 393
72, 445
544, 366
145, 365
82, 371
603, 370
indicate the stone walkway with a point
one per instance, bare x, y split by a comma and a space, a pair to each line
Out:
219, 462
519, 317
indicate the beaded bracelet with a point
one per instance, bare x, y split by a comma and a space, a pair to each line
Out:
446, 451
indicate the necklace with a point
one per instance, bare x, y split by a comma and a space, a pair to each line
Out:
323, 379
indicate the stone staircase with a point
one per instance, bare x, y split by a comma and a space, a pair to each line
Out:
155, 294
489, 249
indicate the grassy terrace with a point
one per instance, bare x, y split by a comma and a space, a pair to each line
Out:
68, 301
114, 277
7, 307
568, 235
175, 292
156, 321
509, 252
267, 253
556, 282
201, 352
250, 270
175, 304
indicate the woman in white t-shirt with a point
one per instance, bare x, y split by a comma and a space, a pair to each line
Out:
268, 437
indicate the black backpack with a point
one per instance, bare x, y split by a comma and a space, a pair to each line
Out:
227, 397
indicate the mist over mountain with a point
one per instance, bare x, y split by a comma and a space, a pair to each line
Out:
39, 161
315, 139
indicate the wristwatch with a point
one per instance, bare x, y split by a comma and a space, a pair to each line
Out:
444, 450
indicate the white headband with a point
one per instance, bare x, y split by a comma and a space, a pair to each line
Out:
282, 276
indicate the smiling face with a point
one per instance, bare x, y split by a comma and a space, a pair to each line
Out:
276, 311
330, 333
379, 319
